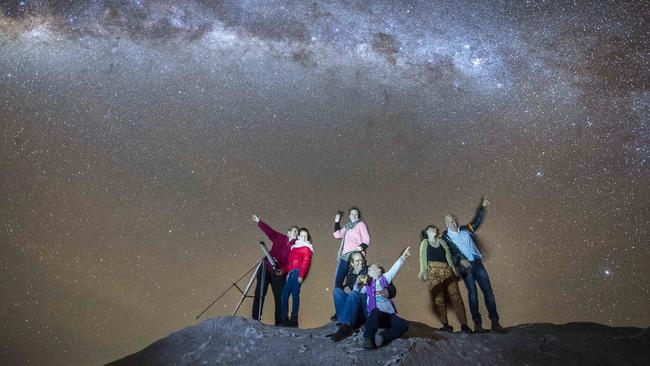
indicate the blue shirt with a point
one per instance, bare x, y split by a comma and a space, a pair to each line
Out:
465, 244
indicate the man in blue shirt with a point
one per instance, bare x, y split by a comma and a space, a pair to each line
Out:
468, 259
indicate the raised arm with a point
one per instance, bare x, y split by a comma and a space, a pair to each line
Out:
392, 272
272, 234
480, 215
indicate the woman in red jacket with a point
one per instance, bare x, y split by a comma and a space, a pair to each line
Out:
297, 268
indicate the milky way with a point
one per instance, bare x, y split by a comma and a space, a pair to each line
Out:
139, 136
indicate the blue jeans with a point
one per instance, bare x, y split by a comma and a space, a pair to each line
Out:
291, 287
351, 309
393, 325
341, 271
478, 274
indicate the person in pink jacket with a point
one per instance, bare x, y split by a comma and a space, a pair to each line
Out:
354, 237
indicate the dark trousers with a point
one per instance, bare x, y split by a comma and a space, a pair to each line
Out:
262, 285
393, 325
478, 274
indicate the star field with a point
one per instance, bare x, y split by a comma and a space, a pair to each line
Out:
138, 138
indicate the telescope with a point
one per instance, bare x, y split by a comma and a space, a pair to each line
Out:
271, 260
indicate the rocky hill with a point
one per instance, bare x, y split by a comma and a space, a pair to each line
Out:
240, 341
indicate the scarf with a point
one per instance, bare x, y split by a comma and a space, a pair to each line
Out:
299, 244
348, 226
370, 293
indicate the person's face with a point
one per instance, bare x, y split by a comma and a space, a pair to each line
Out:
357, 262
431, 232
292, 233
374, 272
450, 221
304, 236
354, 215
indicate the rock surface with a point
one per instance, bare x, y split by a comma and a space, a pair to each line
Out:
235, 340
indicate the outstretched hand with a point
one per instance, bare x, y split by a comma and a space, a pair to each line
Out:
485, 202
255, 219
407, 252
337, 218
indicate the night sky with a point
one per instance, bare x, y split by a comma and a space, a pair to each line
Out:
138, 137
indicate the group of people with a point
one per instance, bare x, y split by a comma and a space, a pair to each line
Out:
364, 294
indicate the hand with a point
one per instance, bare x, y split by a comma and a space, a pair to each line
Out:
255, 219
382, 292
423, 276
346, 290
299, 279
464, 263
485, 202
358, 249
337, 218
407, 252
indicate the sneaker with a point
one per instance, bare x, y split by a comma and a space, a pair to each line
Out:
368, 343
478, 328
379, 340
446, 328
465, 329
343, 332
496, 327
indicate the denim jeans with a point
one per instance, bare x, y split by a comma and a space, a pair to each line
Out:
291, 287
341, 271
478, 274
393, 325
351, 308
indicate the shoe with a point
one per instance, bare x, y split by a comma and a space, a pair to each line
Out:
368, 343
343, 332
292, 322
379, 340
447, 328
465, 329
478, 328
496, 327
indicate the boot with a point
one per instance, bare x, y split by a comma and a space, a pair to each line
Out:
446, 328
496, 327
368, 343
343, 332
478, 328
465, 329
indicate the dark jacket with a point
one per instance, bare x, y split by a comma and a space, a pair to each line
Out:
456, 254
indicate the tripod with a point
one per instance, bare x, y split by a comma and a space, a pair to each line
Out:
259, 265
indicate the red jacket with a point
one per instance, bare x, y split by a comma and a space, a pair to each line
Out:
280, 247
299, 258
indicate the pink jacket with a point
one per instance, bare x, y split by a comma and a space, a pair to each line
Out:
354, 237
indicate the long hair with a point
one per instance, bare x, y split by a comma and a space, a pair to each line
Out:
424, 234
307, 231
360, 255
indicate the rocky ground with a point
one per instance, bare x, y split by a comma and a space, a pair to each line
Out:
235, 340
